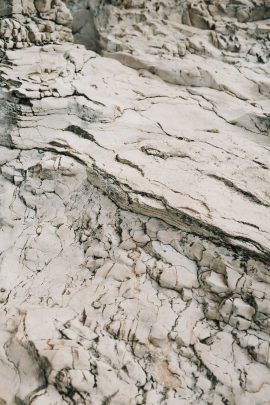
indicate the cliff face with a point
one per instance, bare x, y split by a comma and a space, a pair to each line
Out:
135, 223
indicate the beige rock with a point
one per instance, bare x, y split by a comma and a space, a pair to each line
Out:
243, 309
134, 221
216, 282
43, 6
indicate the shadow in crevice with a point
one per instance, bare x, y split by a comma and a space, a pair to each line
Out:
84, 28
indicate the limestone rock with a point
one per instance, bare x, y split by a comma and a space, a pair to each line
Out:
34, 22
134, 195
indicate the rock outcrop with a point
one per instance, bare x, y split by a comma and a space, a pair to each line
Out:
135, 221
34, 22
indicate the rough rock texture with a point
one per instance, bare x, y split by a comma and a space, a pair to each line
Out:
224, 30
135, 221
27, 22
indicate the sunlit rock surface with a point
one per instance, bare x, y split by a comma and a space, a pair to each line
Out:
135, 222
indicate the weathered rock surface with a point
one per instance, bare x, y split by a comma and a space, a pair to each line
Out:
135, 223
28, 22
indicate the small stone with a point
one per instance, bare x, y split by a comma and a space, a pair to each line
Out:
140, 268
216, 282
241, 308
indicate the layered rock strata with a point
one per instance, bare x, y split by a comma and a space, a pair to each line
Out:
135, 220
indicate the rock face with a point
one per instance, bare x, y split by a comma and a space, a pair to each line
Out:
135, 221
33, 22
